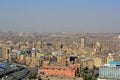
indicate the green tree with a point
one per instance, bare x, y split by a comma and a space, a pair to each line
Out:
32, 75
79, 75
39, 78
87, 76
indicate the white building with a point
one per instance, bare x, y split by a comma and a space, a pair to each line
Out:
110, 71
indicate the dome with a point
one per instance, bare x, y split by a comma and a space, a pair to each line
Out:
109, 54
18, 52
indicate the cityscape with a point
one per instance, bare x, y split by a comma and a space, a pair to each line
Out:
59, 40
86, 56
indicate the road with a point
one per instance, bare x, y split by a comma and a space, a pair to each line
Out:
18, 73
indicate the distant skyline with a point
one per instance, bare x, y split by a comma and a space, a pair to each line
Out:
60, 15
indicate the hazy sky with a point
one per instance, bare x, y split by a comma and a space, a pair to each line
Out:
60, 15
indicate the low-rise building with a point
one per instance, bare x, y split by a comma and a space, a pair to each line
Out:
110, 71
54, 70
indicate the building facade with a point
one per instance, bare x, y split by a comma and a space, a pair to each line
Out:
59, 71
82, 42
110, 71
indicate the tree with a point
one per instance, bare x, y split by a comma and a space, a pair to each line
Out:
39, 78
85, 70
87, 76
32, 75
79, 75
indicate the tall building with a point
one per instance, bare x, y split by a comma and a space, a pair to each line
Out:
28, 60
97, 45
6, 53
119, 37
33, 59
61, 60
38, 60
38, 45
82, 42
9, 55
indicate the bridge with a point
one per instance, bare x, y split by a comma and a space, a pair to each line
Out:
18, 73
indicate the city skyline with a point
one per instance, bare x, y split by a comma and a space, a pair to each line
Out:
60, 16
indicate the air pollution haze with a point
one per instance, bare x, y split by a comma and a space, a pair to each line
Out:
60, 15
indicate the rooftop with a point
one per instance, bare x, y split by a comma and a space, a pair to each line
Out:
115, 63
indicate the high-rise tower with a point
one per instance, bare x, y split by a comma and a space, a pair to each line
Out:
6, 53
82, 42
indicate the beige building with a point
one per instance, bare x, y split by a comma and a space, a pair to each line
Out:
109, 58
97, 62
90, 64
45, 63
28, 60
84, 64
82, 42
6, 53
61, 60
